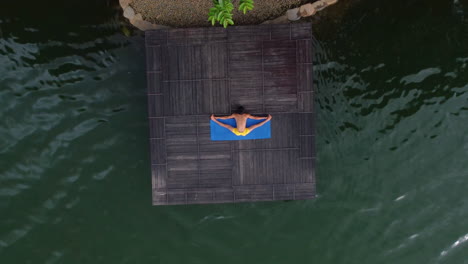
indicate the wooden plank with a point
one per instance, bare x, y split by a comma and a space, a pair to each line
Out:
304, 78
281, 31
153, 59
306, 102
307, 171
220, 97
216, 34
245, 60
284, 192
159, 198
206, 56
156, 37
195, 35
280, 86
176, 36
224, 195
219, 59
181, 135
180, 125
307, 124
249, 33
304, 51
202, 197
184, 62
180, 98
204, 96
205, 35
182, 167
157, 128
154, 80
307, 148
254, 193
181, 145
159, 176
250, 98
264, 166
279, 70
301, 31
207, 145
155, 105
170, 63
247, 93
199, 59
215, 180
158, 153
304, 191
176, 198
280, 102
182, 173
248, 52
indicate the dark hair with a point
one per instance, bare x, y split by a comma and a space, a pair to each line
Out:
240, 110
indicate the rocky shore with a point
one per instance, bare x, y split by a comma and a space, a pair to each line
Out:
155, 14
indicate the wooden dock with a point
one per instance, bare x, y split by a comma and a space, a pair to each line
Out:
193, 73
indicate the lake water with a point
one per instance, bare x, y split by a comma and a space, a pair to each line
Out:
392, 125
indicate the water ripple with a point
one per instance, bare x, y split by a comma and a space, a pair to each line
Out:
457, 243
420, 76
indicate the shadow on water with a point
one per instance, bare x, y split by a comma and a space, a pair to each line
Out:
391, 102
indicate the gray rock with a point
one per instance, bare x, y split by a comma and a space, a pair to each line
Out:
293, 14
138, 17
129, 12
124, 3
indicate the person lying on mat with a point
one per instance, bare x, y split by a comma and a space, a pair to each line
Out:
241, 122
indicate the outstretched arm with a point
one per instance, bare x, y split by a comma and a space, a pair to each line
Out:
222, 117
257, 117
260, 124
222, 124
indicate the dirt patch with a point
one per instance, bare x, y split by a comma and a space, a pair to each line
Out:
193, 13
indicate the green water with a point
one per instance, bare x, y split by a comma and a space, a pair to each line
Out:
392, 124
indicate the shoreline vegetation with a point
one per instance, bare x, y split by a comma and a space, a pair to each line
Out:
157, 14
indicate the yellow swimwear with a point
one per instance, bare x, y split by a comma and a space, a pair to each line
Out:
237, 133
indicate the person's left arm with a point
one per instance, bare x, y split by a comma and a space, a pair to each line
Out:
257, 117
260, 124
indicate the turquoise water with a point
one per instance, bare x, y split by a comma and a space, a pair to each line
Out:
392, 111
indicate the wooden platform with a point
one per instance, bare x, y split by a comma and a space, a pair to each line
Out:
193, 73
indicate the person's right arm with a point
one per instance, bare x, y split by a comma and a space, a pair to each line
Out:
221, 124
223, 117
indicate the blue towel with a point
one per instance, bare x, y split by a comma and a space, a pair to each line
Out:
221, 133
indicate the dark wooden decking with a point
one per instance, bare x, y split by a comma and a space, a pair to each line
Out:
193, 73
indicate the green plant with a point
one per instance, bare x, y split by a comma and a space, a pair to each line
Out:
222, 11
246, 5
